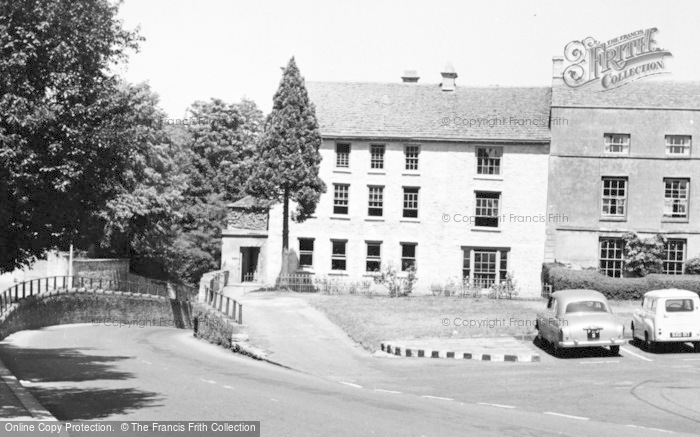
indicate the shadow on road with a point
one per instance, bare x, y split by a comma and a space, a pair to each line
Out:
48, 373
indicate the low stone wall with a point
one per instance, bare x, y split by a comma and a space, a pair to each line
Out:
101, 307
216, 328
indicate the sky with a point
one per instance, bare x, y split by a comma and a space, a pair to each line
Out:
231, 49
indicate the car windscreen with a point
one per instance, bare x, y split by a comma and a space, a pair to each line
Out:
587, 306
679, 305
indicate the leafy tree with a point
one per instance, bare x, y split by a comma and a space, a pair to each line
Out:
57, 169
140, 217
288, 159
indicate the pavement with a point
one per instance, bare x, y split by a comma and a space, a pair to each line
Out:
17, 403
291, 333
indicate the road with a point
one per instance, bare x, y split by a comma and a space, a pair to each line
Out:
84, 372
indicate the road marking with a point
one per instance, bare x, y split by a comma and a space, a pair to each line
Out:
274, 400
496, 405
691, 359
437, 397
567, 416
636, 355
207, 380
229, 387
653, 429
387, 391
350, 384
147, 362
600, 362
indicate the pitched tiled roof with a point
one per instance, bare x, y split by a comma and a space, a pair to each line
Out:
403, 110
638, 94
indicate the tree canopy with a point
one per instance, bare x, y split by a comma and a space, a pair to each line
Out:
288, 159
57, 166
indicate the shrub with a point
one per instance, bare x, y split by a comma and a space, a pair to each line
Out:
690, 282
618, 288
507, 289
397, 286
436, 289
644, 256
544, 276
692, 266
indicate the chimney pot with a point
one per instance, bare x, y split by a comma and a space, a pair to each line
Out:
448, 78
410, 76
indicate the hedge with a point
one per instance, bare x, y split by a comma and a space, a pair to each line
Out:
561, 278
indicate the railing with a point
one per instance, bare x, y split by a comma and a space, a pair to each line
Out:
301, 283
224, 304
250, 277
57, 283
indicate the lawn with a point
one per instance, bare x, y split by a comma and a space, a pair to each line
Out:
371, 320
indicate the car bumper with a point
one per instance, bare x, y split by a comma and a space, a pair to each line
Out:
593, 343
677, 339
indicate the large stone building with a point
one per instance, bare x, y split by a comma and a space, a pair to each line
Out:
624, 162
472, 183
451, 179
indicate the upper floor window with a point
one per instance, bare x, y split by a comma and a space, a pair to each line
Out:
341, 197
676, 198
488, 160
614, 197
411, 153
342, 155
306, 252
487, 207
376, 201
410, 202
377, 156
678, 145
617, 143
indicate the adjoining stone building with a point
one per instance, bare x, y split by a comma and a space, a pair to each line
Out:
624, 162
449, 178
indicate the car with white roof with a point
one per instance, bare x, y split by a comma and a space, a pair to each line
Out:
668, 316
577, 319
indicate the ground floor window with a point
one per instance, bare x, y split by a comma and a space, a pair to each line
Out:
306, 252
408, 256
374, 256
338, 256
674, 257
484, 266
611, 258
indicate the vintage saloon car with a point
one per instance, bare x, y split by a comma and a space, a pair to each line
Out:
579, 318
668, 316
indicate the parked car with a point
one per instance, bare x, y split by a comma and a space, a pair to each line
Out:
668, 316
579, 318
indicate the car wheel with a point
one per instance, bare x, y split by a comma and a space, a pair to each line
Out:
648, 343
615, 350
696, 346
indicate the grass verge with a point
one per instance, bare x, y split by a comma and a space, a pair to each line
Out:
369, 321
